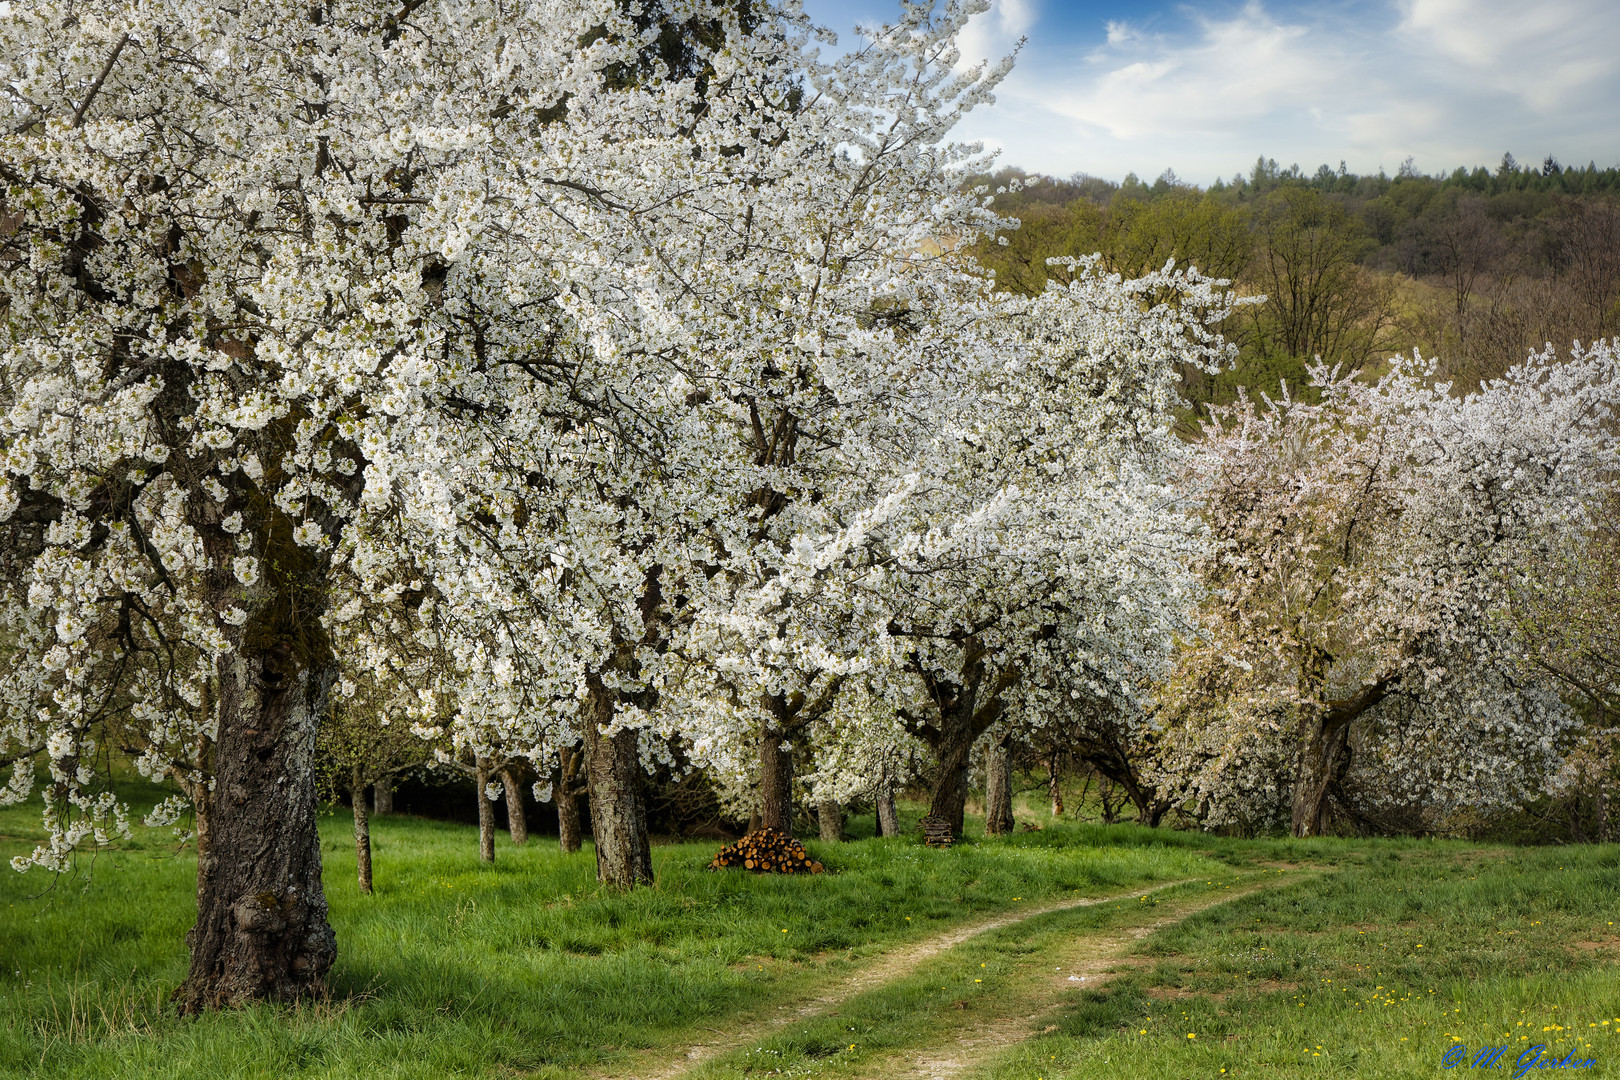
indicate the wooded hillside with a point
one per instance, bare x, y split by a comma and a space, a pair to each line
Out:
1477, 267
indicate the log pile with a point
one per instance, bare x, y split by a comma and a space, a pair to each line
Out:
936, 831
767, 851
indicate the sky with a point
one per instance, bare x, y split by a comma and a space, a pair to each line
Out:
1109, 88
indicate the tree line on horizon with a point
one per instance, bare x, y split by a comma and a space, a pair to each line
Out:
1477, 267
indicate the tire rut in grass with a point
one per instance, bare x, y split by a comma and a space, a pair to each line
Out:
890, 965
1093, 960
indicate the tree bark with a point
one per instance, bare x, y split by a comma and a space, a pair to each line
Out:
1323, 751
1321, 742
618, 804
830, 819
952, 749
1053, 788
568, 824
962, 719
516, 823
482, 773
382, 797
362, 830
262, 931
888, 822
1156, 812
775, 772
950, 786
998, 809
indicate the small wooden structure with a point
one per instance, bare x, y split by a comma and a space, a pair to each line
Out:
936, 831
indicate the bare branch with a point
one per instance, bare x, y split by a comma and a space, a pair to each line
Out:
95, 87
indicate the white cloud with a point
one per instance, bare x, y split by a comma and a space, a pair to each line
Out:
1484, 33
1541, 52
993, 34
1447, 81
1237, 70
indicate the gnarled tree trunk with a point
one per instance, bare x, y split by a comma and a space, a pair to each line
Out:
998, 810
1322, 743
362, 829
618, 804
1323, 749
952, 750
262, 932
966, 710
516, 824
483, 771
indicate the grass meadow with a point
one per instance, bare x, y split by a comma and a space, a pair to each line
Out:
1210, 957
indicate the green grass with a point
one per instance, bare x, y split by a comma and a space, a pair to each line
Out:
1353, 958
1002, 974
524, 967
1371, 971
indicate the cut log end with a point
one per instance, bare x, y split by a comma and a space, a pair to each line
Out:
767, 851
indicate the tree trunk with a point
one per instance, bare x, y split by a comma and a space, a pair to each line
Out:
202, 810
1052, 787
775, 771
382, 797
618, 805
962, 719
1604, 832
1323, 752
516, 823
262, 931
830, 818
568, 826
362, 830
1321, 745
1157, 811
998, 809
953, 748
1110, 805
888, 822
482, 773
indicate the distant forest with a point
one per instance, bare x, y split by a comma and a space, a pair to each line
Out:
1477, 268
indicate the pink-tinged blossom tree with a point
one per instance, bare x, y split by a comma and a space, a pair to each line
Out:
1358, 634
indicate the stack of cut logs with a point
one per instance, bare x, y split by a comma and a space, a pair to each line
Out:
936, 831
767, 851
